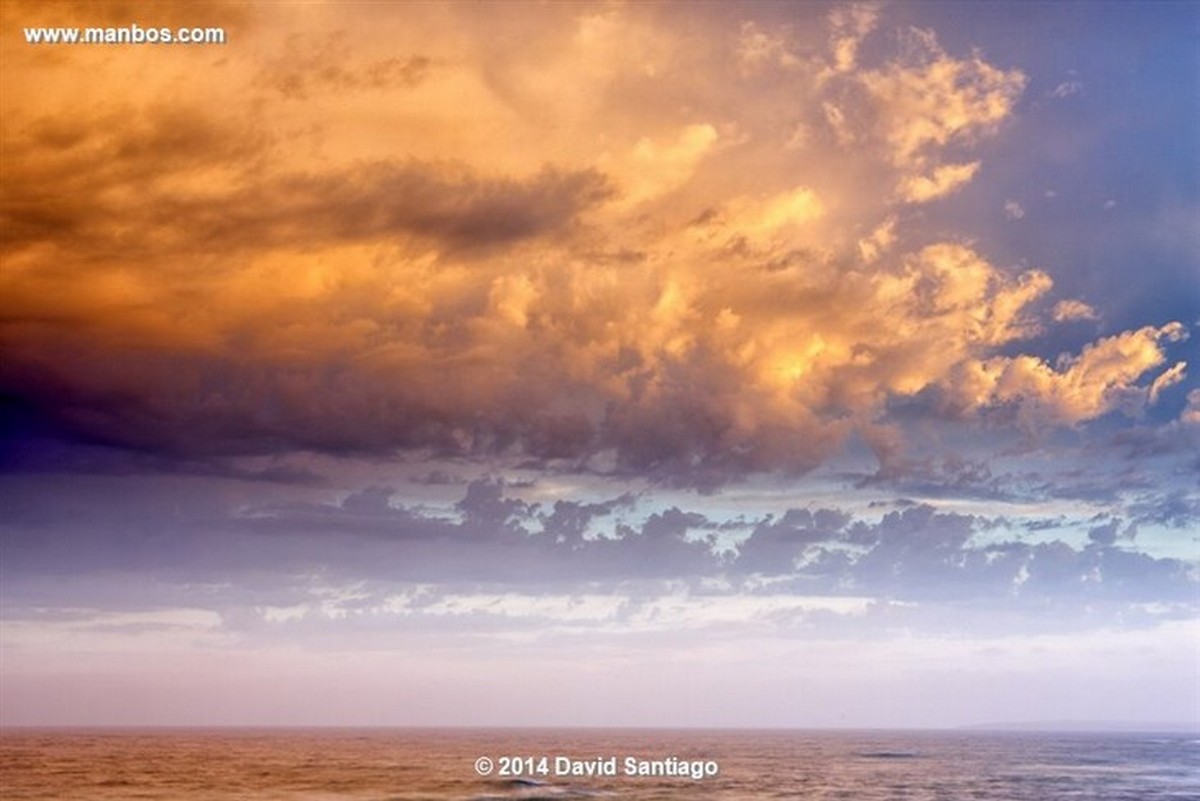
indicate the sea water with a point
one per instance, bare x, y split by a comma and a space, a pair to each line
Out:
477, 764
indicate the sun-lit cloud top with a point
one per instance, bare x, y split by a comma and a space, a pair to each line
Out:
422, 231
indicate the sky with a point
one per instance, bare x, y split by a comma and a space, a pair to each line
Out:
601, 364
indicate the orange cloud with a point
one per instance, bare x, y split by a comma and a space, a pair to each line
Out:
928, 100
574, 242
1102, 378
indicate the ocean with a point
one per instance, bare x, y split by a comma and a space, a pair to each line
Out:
646, 765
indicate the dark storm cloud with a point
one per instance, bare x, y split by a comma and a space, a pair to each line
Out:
198, 406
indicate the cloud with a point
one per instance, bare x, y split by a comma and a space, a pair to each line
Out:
776, 547
941, 181
1168, 378
110, 14
1191, 413
195, 546
1013, 210
313, 65
728, 298
1067, 310
1177, 508
450, 207
928, 100
1102, 378
654, 168
950, 476
849, 25
688, 376
652, 287
880, 240
758, 49
1066, 89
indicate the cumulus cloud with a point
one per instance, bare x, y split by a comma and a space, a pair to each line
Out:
1102, 378
927, 100
645, 288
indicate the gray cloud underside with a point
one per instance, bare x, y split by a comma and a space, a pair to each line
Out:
915, 555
